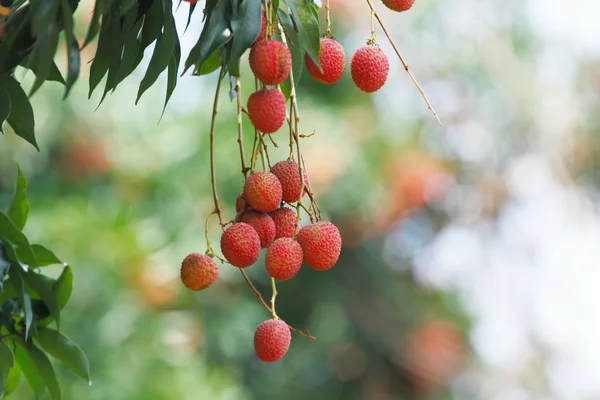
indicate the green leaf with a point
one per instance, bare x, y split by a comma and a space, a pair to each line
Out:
12, 382
45, 370
94, 23
27, 367
43, 256
214, 36
161, 55
54, 75
42, 55
246, 22
73, 55
21, 113
172, 69
101, 61
65, 350
153, 25
308, 27
9, 231
3, 380
130, 51
63, 287
44, 290
7, 292
4, 107
212, 64
7, 358
17, 283
116, 48
19, 207
192, 8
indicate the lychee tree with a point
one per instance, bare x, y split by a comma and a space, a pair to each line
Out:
276, 210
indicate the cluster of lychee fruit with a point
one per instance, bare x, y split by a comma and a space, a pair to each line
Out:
265, 221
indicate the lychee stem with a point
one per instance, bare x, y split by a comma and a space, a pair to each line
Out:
371, 41
273, 297
213, 178
406, 68
238, 95
327, 19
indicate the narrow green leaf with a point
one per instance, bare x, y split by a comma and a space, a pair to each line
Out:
11, 233
54, 76
27, 367
65, 350
192, 8
161, 55
63, 287
101, 62
19, 207
43, 256
7, 358
17, 283
35, 282
45, 370
42, 55
172, 70
246, 22
116, 49
94, 23
214, 35
130, 50
21, 113
3, 380
73, 55
153, 25
308, 27
12, 382
4, 107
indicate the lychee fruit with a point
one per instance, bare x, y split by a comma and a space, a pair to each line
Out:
288, 174
321, 243
271, 61
283, 259
198, 271
263, 28
369, 68
399, 5
240, 203
263, 191
240, 245
263, 224
272, 340
285, 222
266, 109
333, 62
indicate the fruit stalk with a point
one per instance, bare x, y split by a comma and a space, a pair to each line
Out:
238, 95
213, 178
406, 68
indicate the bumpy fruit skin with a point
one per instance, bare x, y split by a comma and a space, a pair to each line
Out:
263, 191
266, 109
369, 68
399, 5
272, 340
240, 203
283, 259
333, 61
271, 61
289, 176
263, 224
240, 245
198, 271
321, 243
285, 222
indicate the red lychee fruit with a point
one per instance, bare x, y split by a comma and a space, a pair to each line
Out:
271, 61
333, 62
285, 222
263, 29
198, 271
399, 5
263, 191
266, 109
288, 174
283, 259
272, 340
240, 203
321, 243
240, 245
263, 224
369, 68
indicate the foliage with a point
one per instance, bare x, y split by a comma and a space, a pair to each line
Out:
29, 303
125, 29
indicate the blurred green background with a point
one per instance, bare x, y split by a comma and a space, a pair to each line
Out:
470, 260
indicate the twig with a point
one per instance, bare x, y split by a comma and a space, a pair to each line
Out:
406, 68
238, 95
213, 178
